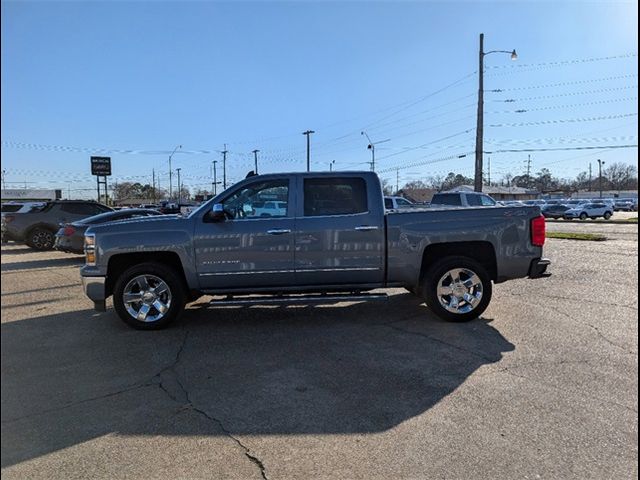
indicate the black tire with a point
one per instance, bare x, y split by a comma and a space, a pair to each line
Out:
436, 272
168, 275
41, 239
607, 215
583, 216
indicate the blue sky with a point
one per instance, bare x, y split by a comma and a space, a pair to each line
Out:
133, 80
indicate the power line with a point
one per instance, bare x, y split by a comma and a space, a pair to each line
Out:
563, 62
567, 94
568, 120
563, 84
560, 149
575, 105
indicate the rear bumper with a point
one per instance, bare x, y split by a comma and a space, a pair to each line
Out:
538, 268
95, 289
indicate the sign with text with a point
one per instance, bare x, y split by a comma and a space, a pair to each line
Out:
101, 166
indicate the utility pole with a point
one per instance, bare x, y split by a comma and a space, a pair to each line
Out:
153, 181
528, 170
170, 171
179, 186
308, 133
589, 176
224, 167
215, 181
600, 163
4, 179
331, 165
489, 176
397, 180
255, 160
480, 114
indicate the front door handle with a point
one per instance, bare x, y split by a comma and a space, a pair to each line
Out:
278, 231
366, 228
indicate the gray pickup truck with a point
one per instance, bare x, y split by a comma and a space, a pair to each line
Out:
330, 241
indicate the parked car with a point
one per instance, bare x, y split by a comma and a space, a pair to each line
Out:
625, 205
271, 208
512, 203
589, 210
391, 203
70, 236
463, 199
335, 243
576, 202
554, 211
38, 226
534, 203
9, 208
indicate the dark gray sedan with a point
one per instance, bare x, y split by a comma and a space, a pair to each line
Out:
70, 237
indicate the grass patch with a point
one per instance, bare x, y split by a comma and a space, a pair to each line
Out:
589, 237
632, 220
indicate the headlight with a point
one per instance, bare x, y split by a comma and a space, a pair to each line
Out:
90, 249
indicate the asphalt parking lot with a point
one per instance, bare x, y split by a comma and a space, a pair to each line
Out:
544, 385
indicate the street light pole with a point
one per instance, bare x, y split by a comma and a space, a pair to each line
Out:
372, 147
331, 165
255, 160
480, 115
179, 187
308, 134
215, 182
600, 163
170, 171
224, 167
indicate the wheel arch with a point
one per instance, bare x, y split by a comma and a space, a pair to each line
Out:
120, 262
482, 252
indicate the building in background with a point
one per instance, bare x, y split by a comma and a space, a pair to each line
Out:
30, 194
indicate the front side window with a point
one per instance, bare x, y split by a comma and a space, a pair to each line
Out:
487, 201
267, 199
334, 196
403, 203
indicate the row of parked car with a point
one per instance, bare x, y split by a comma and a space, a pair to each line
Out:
583, 209
61, 224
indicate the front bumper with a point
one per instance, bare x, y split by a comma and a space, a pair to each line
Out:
538, 268
95, 289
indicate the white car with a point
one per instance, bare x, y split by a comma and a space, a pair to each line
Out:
271, 208
589, 210
391, 203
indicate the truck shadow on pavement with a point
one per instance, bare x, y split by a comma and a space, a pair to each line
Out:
363, 368
45, 263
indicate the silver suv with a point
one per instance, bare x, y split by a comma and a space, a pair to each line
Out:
463, 199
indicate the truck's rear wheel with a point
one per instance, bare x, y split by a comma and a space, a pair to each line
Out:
457, 289
149, 296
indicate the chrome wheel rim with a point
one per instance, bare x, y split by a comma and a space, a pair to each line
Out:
460, 290
42, 239
147, 298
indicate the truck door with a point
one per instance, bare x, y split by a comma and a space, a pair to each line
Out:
339, 232
251, 248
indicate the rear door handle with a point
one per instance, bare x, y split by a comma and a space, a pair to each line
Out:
366, 228
278, 231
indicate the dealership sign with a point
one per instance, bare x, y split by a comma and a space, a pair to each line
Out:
101, 166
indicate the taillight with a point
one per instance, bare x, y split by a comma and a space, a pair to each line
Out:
68, 231
538, 231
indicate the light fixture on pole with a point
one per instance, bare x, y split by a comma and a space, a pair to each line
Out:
170, 171
480, 117
255, 159
372, 147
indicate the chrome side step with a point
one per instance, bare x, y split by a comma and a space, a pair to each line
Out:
315, 299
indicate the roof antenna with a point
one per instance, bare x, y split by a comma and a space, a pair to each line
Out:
251, 174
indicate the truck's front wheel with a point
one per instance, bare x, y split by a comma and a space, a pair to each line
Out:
457, 289
149, 296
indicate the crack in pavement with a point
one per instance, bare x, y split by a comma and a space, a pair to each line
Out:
187, 403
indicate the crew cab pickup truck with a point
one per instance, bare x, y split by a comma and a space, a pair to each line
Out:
332, 242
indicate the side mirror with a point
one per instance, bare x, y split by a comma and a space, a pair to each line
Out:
217, 212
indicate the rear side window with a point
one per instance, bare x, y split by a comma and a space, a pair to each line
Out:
11, 208
82, 209
447, 199
388, 203
334, 196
